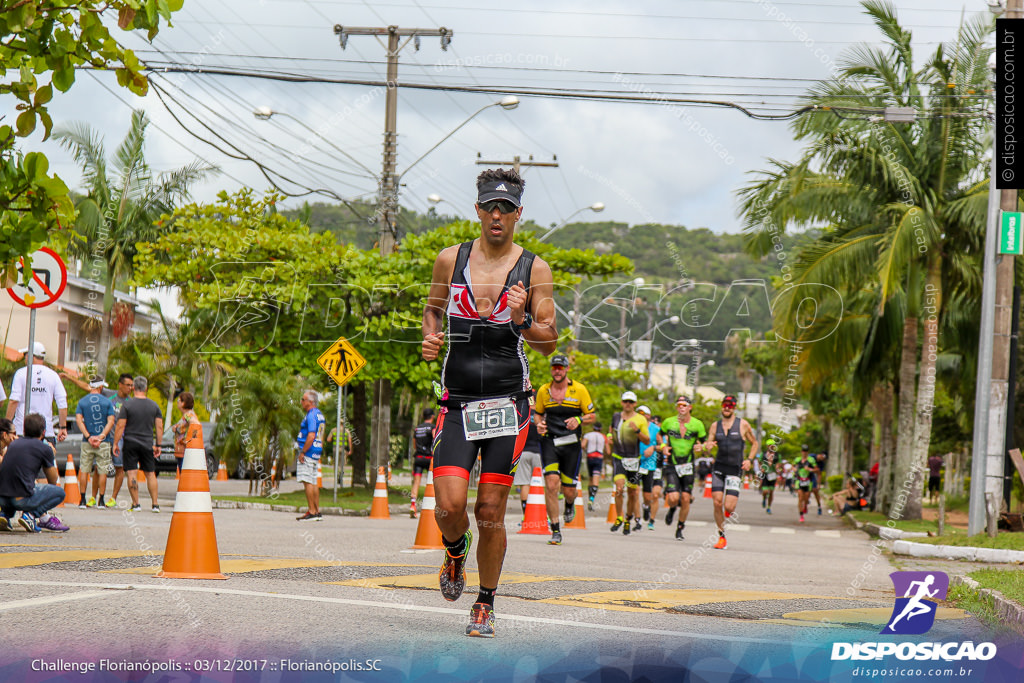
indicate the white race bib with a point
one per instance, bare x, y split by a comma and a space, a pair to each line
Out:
565, 440
657, 474
771, 476
644, 471
631, 464
684, 470
732, 483
490, 418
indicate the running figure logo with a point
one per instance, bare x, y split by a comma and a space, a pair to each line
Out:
916, 596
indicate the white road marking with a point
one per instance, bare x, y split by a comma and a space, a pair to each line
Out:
51, 599
781, 530
827, 533
616, 628
738, 527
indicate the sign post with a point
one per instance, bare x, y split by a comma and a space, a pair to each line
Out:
49, 278
341, 361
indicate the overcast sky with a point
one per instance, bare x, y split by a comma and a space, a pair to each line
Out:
665, 163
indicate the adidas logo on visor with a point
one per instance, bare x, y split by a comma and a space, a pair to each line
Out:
501, 188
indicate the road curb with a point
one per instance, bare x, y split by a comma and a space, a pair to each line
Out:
884, 532
1007, 611
955, 552
340, 512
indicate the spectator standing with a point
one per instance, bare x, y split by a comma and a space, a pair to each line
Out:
18, 488
140, 424
94, 415
46, 390
934, 475
310, 445
188, 431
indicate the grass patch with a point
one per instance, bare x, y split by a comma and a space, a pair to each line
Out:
960, 503
968, 599
1009, 582
349, 498
881, 520
1004, 540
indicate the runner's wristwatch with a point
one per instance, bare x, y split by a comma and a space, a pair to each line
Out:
526, 324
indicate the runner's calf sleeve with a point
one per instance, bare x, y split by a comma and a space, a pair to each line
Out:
486, 596
592, 490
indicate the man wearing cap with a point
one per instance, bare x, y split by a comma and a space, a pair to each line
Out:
562, 408
684, 435
94, 415
626, 437
727, 434
46, 389
494, 296
650, 454
137, 432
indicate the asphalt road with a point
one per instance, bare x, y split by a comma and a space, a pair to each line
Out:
348, 591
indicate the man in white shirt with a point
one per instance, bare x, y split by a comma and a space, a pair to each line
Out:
46, 389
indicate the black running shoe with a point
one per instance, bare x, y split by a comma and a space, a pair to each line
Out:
647, 512
670, 515
618, 523
556, 538
626, 528
679, 533
637, 526
570, 514
481, 621
452, 576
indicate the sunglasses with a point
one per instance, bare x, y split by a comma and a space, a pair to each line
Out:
499, 204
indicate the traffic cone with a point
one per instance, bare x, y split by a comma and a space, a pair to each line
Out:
746, 482
140, 476
428, 534
222, 471
191, 551
536, 520
273, 474
612, 513
319, 475
578, 522
379, 509
72, 495
707, 487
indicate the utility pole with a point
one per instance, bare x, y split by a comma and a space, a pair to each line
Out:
387, 203
994, 351
517, 162
387, 208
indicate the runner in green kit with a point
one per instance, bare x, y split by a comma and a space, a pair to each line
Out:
684, 435
766, 464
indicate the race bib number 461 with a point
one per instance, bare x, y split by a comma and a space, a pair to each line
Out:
490, 418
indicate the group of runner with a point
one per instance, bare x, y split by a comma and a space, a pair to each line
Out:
802, 478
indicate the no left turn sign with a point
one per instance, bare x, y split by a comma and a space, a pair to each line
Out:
49, 278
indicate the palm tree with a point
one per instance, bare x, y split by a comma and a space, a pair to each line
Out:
903, 206
121, 208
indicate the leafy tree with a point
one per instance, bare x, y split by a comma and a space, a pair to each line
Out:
121, 208
42, 42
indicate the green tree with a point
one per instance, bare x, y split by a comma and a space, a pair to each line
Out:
42, 42
121, 208
903, 204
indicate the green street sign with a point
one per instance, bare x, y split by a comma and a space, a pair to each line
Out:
1010, 238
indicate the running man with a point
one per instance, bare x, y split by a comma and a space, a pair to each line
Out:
423, 438
494, 295
684, 435
626, 436
648, 464
766, 462
562, 408
727, 434
820, 460
804, 469
658, 483
593, 446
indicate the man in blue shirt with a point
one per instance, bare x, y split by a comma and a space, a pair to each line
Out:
94, 415
310, 445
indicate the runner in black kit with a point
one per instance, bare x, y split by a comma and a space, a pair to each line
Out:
728, 434
423, 440
494, 295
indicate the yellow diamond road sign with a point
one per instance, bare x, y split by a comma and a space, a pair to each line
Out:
341, 361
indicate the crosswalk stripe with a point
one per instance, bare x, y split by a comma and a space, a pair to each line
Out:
828, 533
781, 530
50, 599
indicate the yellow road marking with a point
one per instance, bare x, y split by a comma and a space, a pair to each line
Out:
260, 564
32, 559
863, 615
472, 578
659, 600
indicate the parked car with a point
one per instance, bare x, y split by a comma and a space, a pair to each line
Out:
166, 462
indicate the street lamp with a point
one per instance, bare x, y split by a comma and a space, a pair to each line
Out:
437, 199
264, 113
596, 207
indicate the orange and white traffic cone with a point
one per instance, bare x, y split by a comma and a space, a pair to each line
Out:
191, 551
428, 534
578, 522
222, 471
273, 474
746, 482
319, 475
379, 509
72, 495
707, 487
612, 512
536, 521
